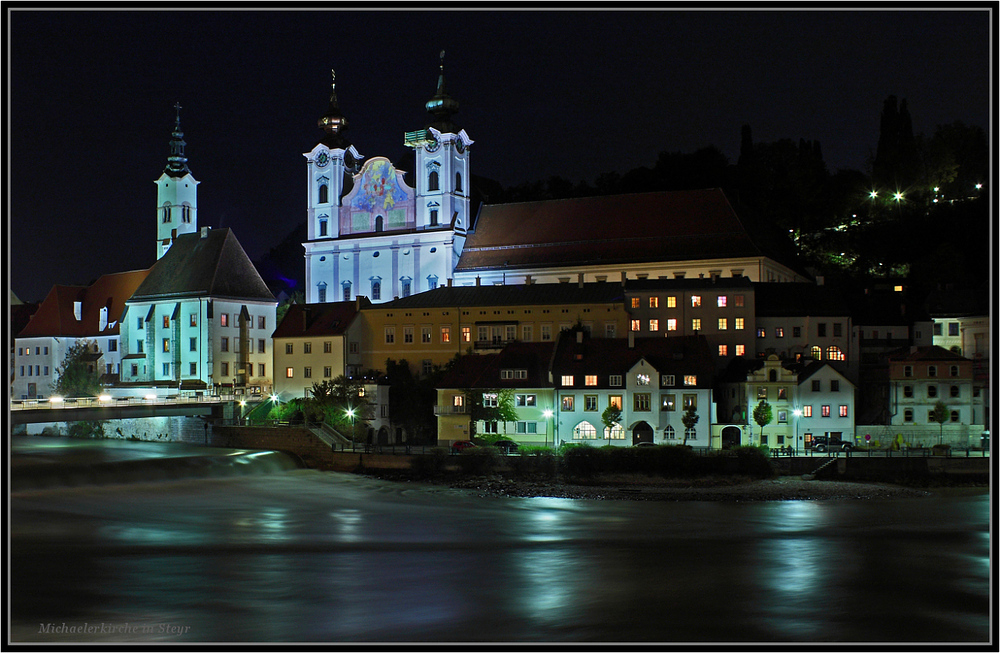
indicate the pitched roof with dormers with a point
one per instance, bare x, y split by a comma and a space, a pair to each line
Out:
210, 263
330, 319
932, 353
484, 370
579, 356
56, 315
608, 229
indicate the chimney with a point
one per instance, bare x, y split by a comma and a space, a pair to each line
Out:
623, 277
357, 303
477, 280
173, 235
449, 282
579, 282
579, 337
527, 279
631, 339
204, 232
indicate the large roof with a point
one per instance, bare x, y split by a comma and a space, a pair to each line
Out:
56, 315
483, 370
213, 265
798, 299
550, 294
331, 319
932, 353
660, 226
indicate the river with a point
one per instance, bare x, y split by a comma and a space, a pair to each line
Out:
275, 554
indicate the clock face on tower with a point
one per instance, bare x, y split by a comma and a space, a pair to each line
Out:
433, 146
322, 159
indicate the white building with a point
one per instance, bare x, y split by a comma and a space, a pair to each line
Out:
370, 232
176, 195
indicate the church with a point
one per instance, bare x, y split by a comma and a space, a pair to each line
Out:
371, 233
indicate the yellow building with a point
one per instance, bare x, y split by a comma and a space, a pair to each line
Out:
431, 328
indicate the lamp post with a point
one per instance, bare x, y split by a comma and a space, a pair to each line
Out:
547, 414
797, 412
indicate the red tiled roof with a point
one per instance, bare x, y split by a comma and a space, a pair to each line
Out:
661, 226
55, 316
330, 319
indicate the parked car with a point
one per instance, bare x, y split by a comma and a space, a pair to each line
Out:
507, 447
820, 444
462, 445
646, 444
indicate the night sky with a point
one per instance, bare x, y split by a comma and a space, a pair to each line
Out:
570, 93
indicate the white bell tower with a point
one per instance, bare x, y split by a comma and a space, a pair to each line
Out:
176, 194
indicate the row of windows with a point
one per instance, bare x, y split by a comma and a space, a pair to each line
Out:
671, 324
908, 415
932, 391
308, 346
615, 380
26, 351
586, 431
670, 301
932, 370
193, 369
824, 411
307, 372
223, 321
779, 332
641, 402
953, 329
193, 345
39, 370
185, 214
496, 334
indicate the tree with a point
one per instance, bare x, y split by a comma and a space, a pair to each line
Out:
611, 416
411, 401
341, 403
762, 414
77, 375
690, 418
940, 416
490, 405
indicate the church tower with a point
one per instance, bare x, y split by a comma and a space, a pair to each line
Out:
442, 168
176, 194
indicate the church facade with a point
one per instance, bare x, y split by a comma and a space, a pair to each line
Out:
370, 232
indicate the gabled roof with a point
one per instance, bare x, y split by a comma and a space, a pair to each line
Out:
611, 229
798, 299
213, 265
551, 294
932, 353
813, 367
604, 357
483, 370
330, 319
56, 315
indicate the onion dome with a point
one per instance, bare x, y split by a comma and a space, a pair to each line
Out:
442, 106
333, 121
177, 163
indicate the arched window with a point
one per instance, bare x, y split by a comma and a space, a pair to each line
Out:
458, 181
432, 180
186, 214
347, 291
816, 353
584, 431
166, 213
376, 289
324, 194
772, 375
614, 433
407, 286
321, 291
833, 353
690, 434
378, 224
669, 433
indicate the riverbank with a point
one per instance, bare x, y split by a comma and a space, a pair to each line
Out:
628, 487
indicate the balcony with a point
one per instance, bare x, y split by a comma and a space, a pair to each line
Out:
449, 410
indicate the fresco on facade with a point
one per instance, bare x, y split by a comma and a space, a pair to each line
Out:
380, 189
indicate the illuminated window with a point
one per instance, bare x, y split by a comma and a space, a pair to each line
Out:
671, 324
779, 332
616, 432
654, 302
166, 321
722, 301
843, 411
738, 323
782, 393
671, 302
289, 372
636, 325
667, 402
635, 302
741, 350
615, 401
723, 350
584, 431
654, 325
568, 403
833, 353
696, 324
695, 301
642, 379
445, 334
690, 379
723, 324
807, 411
825, 411
761, 392
567, 380
489, 400
816, 352
761, 332
458, 401
690, 402
166, 344
590, 379
466, 334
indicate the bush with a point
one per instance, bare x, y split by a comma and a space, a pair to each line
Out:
754, 461
941, 450
86, 430
479, 460
534, 461
583, 460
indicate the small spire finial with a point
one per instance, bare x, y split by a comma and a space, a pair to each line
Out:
333, 78
177, 106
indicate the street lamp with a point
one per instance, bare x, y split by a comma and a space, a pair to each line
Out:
798, 413
548, 414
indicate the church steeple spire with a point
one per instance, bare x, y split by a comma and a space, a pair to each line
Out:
177, 163
442, 106
333, 121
